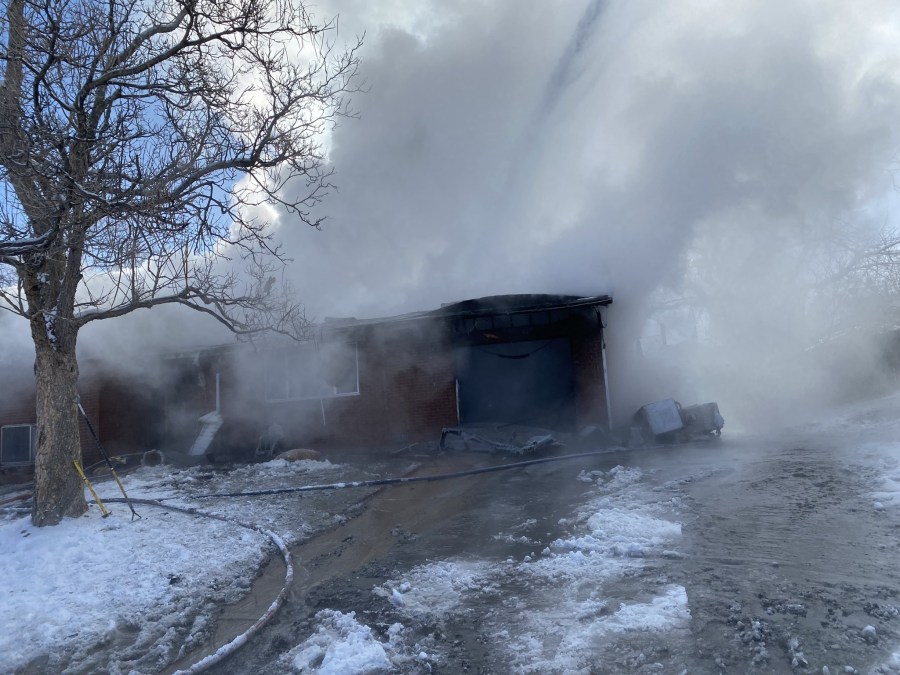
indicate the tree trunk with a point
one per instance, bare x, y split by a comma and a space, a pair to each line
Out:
58, 491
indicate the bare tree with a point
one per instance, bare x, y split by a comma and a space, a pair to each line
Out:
861, 276
139, 141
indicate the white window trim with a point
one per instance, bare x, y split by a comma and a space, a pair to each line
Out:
286, 354
32, 428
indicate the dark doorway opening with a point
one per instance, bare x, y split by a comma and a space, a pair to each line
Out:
529, 383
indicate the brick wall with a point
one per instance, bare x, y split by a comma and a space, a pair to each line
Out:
17, 406
406, 394
590, 390
132, 418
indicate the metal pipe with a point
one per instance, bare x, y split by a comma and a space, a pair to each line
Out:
606, 386
609, 420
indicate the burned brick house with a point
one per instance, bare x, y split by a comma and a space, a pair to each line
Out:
533, 360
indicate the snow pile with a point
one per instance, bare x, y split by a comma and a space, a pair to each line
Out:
339, 645
342, 645
613, 532
437, 589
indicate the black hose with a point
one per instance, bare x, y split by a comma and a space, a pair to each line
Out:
396, 481
225, 651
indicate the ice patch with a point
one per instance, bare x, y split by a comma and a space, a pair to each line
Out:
631, 526
341, 645
622, 532
436, 589
660, 614
570, 643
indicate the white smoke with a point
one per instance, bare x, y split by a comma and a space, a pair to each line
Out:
655, 151
651, 150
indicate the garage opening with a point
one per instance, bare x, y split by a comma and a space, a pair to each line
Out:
530, 383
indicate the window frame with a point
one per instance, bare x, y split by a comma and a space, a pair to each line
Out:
32, 436
284, 382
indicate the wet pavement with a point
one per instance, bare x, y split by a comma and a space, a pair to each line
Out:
784, 561
787, 560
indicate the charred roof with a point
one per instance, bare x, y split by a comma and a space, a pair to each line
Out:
480, 318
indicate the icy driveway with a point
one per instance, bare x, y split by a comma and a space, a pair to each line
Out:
758, 555
527, 571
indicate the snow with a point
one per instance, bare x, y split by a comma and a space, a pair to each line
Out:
91, 580
615, 532
888, 493
555, 622
341, 645
147, 590
436, 589
150, 586
892, 665
50, 325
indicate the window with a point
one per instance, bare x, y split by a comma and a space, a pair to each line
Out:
312, 371
17, 444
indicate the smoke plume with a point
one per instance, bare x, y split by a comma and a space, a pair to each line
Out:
692, 157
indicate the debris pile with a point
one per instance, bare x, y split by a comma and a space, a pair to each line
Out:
515, 442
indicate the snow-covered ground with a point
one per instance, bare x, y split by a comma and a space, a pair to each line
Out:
152, 585
615, 592
148, 587
607, 589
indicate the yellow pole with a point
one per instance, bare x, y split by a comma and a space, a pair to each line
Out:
90, 487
